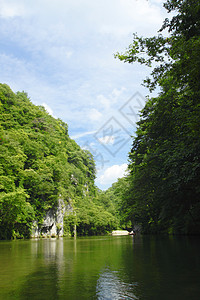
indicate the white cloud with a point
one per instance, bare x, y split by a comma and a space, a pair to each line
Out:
94, 114
105, 102
48, 109
10, 10
116, 93
80, 135
108, 139
61, 53
112, 173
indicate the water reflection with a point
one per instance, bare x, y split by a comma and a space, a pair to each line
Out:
101, 268
110, 286
49, 251
55, 267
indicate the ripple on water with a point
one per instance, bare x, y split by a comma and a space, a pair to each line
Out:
110, 286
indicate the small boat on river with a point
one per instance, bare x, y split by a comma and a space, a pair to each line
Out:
120, 232
132, 232
123, 232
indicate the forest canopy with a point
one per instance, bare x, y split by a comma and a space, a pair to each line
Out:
162, 193
39, 163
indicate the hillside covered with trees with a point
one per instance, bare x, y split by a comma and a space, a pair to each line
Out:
162, 191
40, 163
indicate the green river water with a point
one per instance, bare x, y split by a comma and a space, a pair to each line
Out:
106, 267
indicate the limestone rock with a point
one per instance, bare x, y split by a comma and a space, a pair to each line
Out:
53, 224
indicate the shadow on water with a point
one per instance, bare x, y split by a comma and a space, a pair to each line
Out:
165, 267
141, 267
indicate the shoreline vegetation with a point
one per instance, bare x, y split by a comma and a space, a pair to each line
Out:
40, 164
162, 191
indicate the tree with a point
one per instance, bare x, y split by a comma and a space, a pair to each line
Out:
40, 164
16, 214
165, 159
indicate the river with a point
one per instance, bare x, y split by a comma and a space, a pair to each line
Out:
126, 267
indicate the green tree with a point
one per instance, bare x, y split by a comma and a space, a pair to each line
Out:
16, 214
164, 159
40, 164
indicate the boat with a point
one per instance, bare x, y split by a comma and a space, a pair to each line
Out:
132, 232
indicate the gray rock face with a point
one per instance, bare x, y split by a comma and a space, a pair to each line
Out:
52, 224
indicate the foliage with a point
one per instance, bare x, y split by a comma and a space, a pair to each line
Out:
15, 214
93, 219
164, 161
38, 164
114, 200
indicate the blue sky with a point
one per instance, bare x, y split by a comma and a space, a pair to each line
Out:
61, 53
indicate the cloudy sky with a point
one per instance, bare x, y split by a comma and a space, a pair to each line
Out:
61, 53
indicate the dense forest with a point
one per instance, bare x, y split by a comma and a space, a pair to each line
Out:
40, 163
162, 191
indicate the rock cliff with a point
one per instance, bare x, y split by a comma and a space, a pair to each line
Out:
53, 223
